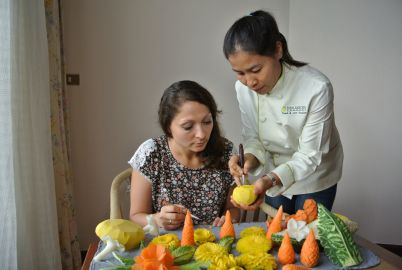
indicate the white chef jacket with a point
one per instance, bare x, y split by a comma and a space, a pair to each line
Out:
292, 131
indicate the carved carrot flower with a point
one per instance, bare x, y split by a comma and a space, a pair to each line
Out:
154, 257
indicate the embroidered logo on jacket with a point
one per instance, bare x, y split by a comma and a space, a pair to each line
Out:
294, 109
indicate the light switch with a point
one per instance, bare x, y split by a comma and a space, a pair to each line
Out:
73, 79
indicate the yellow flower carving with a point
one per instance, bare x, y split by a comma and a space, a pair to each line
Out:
259, 260
208, 251
168, 240
203, 235
252, 231
223, 262
253, 244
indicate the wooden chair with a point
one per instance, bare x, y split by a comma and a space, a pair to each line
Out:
116, 191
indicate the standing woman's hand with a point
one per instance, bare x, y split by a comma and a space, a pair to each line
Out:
235, 169
261, 186
250, 162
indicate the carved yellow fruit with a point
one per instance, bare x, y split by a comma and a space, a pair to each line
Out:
244, 194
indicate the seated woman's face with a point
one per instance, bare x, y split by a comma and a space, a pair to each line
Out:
192, 126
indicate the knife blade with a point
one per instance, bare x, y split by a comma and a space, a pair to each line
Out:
195, 217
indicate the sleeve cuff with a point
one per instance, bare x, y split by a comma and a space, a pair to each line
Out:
285, 173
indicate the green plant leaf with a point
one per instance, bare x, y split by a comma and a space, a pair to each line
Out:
194, 266
123, 260
227, 242
183, 254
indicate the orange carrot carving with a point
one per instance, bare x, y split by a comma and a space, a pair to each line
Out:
310, 252
187, 235
300, 215
308, 214
155, 257
286, 253
276, 224
310, 208
227, 228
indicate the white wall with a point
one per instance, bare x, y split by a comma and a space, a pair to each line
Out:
128, 52
358, 44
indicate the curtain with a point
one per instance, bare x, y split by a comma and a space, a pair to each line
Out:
69, 245
28, 217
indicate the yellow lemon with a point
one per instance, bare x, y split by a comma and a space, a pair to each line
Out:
244, 194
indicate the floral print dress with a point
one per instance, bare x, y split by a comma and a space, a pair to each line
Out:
203, 191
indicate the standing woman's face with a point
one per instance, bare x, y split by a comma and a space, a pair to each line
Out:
192, 126
260, 73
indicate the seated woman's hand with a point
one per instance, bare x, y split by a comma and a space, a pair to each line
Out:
218, 221
171, 216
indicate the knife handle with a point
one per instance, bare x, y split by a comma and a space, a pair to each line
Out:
241, 155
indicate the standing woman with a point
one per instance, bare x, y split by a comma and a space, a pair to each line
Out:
186, 168
287, 115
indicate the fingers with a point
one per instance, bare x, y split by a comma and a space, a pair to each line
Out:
250, 162
257, 203
235, 170
251, 207
235, 204
178, 208
234, 167
261, 186
172, 216
221, 221
171, 224
241, 206
218, 221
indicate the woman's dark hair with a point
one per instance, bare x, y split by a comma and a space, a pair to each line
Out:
172, 99
257, 33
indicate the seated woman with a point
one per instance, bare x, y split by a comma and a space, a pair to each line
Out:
187, 167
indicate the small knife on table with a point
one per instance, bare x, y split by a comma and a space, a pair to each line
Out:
244, 179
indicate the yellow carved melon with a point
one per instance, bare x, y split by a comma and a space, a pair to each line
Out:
244, 194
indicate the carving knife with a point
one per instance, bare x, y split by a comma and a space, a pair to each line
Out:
244, 179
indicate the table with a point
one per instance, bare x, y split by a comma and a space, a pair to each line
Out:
389, 261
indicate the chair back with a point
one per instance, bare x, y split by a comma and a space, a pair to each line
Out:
120, 185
